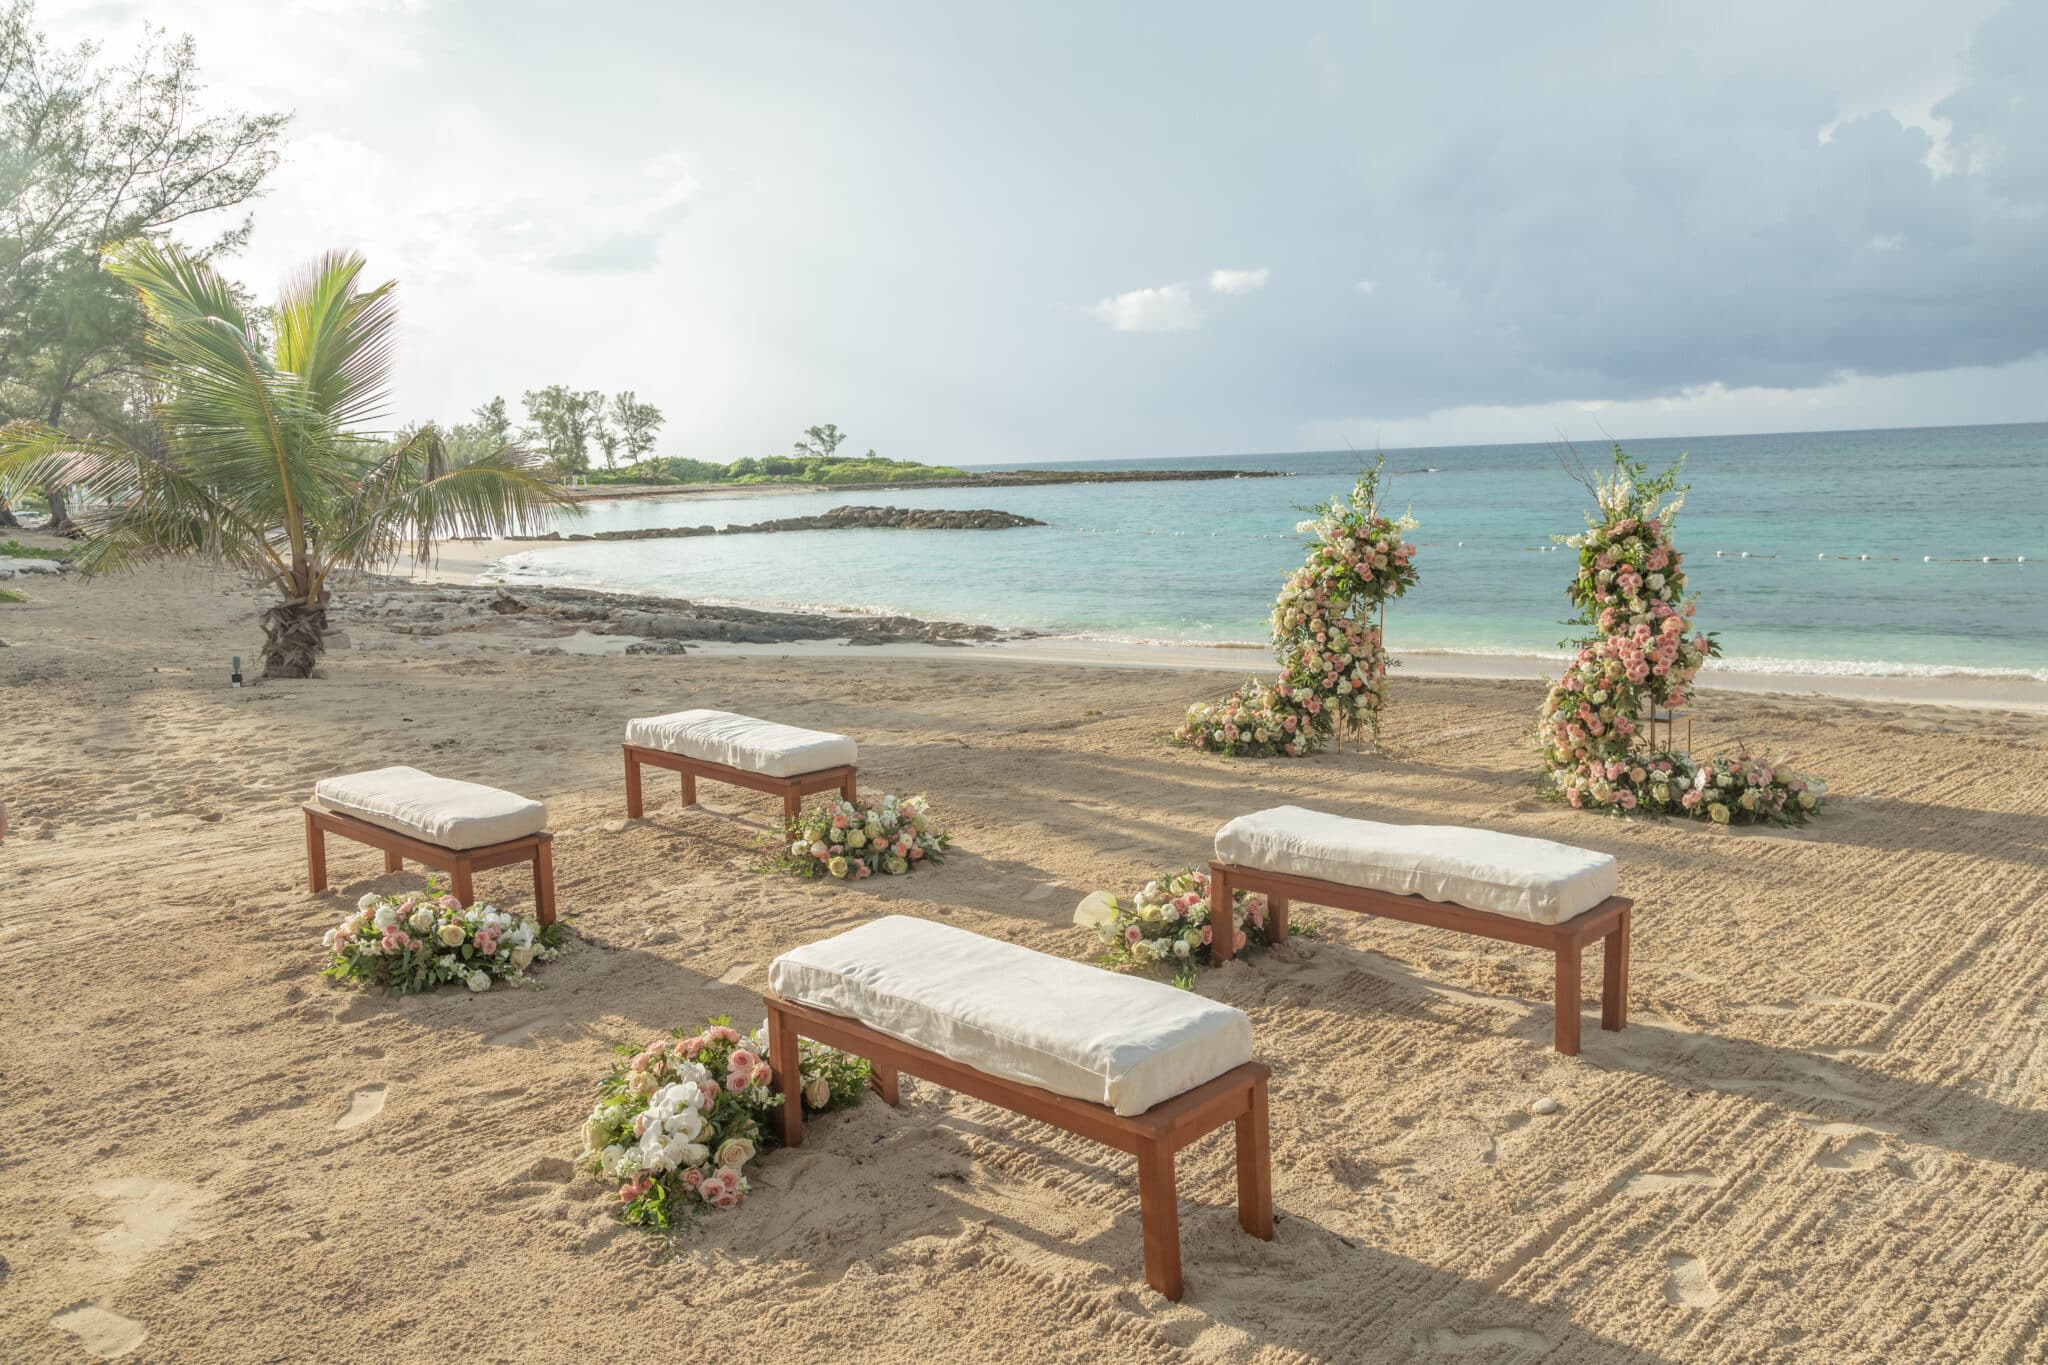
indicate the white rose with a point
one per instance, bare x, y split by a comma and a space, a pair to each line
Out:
420, 921
1180, 947
736, 1152
817, 1092
478, 980
327, 939
521, 958
385, 917
608, 1159
367, 903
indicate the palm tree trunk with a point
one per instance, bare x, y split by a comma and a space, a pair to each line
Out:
293, 635
60, 523
8, 521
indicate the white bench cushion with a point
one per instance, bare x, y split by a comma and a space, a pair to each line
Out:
437, 810
1007, 1011
1507, 874
755, 746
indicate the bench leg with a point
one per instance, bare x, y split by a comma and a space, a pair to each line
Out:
689, 789
1276, 919
1255, 1166
847, 791
1568, 993
887, 1085
1614, 979
1159, 1217
544, 880
316, 854
1222, 932
785, 1064
634, 799
393, 862
461, 881
792, 806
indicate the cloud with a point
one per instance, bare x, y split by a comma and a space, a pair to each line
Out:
1238, 281
1169, 308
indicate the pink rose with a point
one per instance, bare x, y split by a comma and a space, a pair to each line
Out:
692, 1178
743, 1060
730, 1199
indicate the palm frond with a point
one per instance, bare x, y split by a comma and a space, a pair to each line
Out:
338, 340
417, 495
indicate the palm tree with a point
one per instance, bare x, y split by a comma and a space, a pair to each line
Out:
263, 463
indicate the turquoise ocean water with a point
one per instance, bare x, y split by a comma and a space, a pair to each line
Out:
1201, 561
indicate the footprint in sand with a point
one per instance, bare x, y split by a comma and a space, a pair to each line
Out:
363, 1105
1857, 1154
101, 1331
1040, 892
513, 1037
1687, 1286
1656, 1182
733, 975
1445, 1342
150, 1212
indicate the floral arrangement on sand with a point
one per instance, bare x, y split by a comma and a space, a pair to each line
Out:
1167, 921
853, 840
1326, 636
1639, 658
678, 1121
417, 940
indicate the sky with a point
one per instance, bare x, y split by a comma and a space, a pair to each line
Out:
982, 233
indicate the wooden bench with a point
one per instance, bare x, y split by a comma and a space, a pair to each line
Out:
894, 953
721, 746
1258, 854
435, 822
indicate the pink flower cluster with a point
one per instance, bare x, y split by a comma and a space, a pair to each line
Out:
1333, 662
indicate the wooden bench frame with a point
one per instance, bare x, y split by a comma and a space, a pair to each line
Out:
1608, 920
1238, 1095
792, 790
459, 863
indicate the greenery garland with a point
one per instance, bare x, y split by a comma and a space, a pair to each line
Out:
1326, 636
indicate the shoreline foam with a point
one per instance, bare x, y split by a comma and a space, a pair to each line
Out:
475, 562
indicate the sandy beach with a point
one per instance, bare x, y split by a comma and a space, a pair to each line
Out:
1823, 1135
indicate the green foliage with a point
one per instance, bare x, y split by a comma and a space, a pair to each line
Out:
17, 550
561, 424
820, 442
94, 154
776, 469
257, 460
11, 596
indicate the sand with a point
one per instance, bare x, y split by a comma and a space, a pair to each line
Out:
1822, 1137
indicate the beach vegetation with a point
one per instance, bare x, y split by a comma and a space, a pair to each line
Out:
11, 597
778, 469
258, 457
14, 549
94, 153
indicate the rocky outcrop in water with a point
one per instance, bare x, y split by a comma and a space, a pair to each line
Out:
838, 519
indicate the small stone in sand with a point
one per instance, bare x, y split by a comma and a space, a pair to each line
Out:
1546, 1105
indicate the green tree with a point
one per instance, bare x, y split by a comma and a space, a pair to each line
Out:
492, 424
819, 442
635, 423
92, 155
562, 422
265, 467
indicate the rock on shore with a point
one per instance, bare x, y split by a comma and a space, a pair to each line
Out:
538, 614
